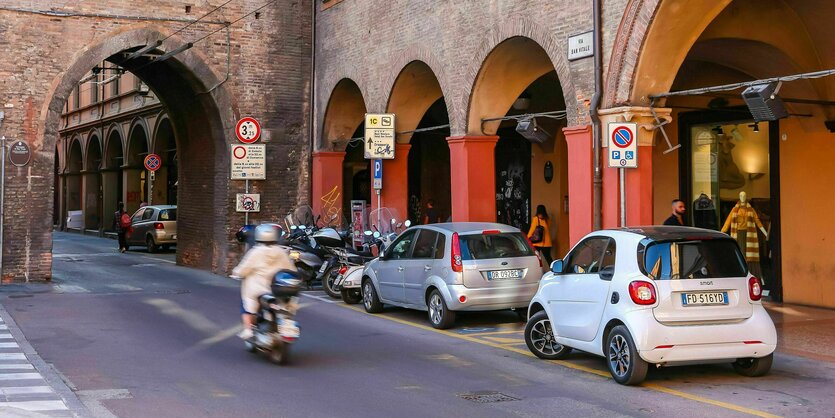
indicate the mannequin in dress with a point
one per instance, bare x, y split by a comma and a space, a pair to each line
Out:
743, 223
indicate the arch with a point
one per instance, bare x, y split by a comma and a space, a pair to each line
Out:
75, 155
203, 112
519, 28
419, 54
345, 112
113, 150
505, 73
414, 91
109, 132
139, 142
93, 152
165, 145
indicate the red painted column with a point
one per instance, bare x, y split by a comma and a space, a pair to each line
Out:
473, 178
395, 193
327, 182
580, 181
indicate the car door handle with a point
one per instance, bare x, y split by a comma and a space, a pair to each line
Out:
400, 269
427, 268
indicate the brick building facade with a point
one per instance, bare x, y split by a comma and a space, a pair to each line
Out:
258, 66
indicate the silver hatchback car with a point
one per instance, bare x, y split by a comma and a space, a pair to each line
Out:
461, 266
153, 227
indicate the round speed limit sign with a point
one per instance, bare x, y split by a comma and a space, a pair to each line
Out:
248, 130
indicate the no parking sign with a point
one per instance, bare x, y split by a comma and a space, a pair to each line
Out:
623, 145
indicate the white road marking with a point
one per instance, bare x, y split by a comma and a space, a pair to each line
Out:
25, 390
159, 259
6, 336
12, 356
69, 288
4, 327
9, 345
20, 376
18, 366
36, 405
82, 256
326, 299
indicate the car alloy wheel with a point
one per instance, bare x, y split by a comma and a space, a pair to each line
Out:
541, 339
370, 300
366, 295
439, 314
436, 309
619, 357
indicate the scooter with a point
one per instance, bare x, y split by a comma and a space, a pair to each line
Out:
275, 327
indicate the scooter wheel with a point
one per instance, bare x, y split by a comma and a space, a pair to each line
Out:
279, 353
249, 346
351, 296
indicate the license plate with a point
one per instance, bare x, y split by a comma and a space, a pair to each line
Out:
504, 274
288, 329
323, 268
706, 298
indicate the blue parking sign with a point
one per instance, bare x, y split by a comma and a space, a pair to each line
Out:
616, 155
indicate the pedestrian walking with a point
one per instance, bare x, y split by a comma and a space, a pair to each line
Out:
677, 218
121, 223
540, 234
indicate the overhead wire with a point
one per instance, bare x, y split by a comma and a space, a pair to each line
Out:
198, 19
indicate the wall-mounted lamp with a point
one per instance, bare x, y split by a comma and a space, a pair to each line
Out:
755, 126
719, 131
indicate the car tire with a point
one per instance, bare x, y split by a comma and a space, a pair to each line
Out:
625, 364
328, 280
370, 300
754, 367
152, 246
439, 315
539, 337
351, 296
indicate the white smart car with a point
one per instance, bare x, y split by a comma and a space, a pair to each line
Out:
655, 295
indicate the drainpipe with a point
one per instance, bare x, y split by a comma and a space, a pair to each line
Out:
312, 105
595, 117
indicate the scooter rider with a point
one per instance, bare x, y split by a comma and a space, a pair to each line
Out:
256, 270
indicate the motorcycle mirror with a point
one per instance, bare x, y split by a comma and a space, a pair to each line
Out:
368, 233
302, 227
293, 227
393, 221
376, 234
408, 223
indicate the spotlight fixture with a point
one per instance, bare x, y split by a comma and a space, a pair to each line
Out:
755, 126
718, 130
764, 103
531, 131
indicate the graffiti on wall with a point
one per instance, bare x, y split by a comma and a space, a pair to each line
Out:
331, 212
513, 196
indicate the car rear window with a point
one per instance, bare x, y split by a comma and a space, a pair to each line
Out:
502, 245
698, 259
168, 215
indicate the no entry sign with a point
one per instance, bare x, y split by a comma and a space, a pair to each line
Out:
248, 130
623, 145
249, 162
153, 162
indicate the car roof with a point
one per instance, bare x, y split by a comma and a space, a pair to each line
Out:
673, 233
161, 207
471, 227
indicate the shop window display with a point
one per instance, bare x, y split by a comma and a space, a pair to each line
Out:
730, 186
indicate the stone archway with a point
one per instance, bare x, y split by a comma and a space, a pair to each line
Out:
333, 173
92, 204
112, 183
201, 111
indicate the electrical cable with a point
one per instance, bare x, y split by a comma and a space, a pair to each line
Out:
60, 13
734, 86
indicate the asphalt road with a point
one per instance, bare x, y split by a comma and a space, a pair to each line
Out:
135, 335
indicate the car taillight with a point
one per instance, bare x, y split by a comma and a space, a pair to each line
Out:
490, 232
159, 225
642, 293
457, 262
755, 289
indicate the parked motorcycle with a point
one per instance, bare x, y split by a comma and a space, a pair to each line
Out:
275, 325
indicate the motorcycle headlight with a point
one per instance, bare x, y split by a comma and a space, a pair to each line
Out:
295, 255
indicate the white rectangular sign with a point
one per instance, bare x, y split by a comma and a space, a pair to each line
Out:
248, 202
249, 162
379, 136
623, 145
580, 46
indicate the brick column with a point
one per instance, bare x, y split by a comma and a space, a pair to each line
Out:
327, 182
580, 181
395, 193
473, 178
110, 185
639, 187
91, 181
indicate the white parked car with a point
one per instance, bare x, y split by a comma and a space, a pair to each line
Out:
654, 295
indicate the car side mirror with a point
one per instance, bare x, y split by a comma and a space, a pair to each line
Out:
556, 267
607, 273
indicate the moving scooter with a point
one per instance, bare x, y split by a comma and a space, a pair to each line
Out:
275, 327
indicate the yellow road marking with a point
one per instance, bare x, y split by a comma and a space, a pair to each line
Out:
569, 365
502, 340
479, 334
